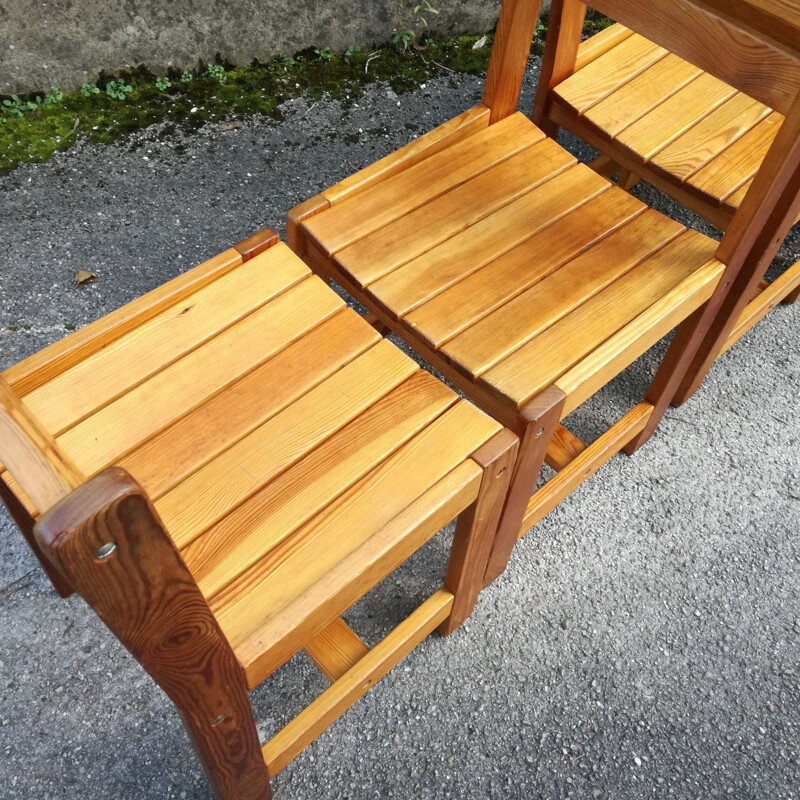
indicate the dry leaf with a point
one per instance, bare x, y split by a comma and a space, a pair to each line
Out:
480, 43
84, 277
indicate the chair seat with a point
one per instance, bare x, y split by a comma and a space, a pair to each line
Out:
515, 265
643, 104
291, 452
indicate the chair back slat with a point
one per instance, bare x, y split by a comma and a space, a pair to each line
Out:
718, 43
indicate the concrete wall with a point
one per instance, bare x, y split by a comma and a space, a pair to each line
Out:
64, 43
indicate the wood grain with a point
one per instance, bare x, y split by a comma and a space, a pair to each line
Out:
145, 595
335, 649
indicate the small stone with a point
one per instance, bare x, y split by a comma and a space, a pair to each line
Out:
637, 761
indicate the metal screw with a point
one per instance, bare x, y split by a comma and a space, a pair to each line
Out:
108, 549
539, 432
218, 720
501, 472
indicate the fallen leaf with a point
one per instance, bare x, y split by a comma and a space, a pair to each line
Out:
84, 277
480, 43
229, 126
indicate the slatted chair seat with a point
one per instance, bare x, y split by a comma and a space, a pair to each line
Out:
652, 109
292, 455
689, 96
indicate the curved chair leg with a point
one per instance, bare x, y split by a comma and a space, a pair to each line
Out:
108, 540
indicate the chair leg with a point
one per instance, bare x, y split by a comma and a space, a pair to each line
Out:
627, 179
476, 527
107, 538
537, 423
605, 165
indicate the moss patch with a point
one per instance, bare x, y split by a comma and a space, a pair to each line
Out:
191, 101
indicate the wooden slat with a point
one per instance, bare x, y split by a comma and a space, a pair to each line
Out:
202, 434
185, 384
257, 526
776, 19
445, 216
241, 470
696, 100
763, 302
356, 216
542, 360
336, 649
636, 97
545, 499
605, 74
460, 307
737, 164
625, 346
43, 470
445, 135
43, 366
330, 705
756, 66
497, 335
709, 137
595, 46
131, 359
263, 603
463, 254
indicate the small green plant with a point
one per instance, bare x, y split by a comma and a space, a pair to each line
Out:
540, 31
324, 54
424, 8
352, 50
118, 89
53, 97
403, 37
186, 77
88, 89
215, 71
284, 61
162, 84
16, 107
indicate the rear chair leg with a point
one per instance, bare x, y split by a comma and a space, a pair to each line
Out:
107, 538
536, 424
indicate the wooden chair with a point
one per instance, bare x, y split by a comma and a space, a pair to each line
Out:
223, 467
526, 278
688, 95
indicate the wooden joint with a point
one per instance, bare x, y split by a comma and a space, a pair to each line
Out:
335, 649
256, 244
314, 205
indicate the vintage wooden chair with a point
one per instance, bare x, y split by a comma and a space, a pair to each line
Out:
528, 279
223, 467
688, 95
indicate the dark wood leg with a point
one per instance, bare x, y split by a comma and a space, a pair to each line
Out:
107, 538
537, 422
476, 527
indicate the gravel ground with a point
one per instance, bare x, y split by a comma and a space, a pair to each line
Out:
643, 642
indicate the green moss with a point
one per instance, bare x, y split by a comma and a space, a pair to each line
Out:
258, 88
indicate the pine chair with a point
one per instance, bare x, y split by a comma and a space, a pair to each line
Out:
223, 467
689, 96
529, 280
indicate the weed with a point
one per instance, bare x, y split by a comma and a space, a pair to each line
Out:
324, 54
284, 61
186, 77
352, 50
118, 89
88, 89
162, 84
216, 72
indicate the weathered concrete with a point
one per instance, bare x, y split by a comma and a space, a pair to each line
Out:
64, 44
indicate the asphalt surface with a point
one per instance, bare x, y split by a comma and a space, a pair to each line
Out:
643, 642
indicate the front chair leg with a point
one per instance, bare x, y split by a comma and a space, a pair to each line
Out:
537, 422
476, 526
108, 540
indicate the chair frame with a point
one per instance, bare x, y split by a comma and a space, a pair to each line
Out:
562, 58
747, 248
103, 539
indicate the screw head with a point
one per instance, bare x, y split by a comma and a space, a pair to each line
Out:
108, 549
